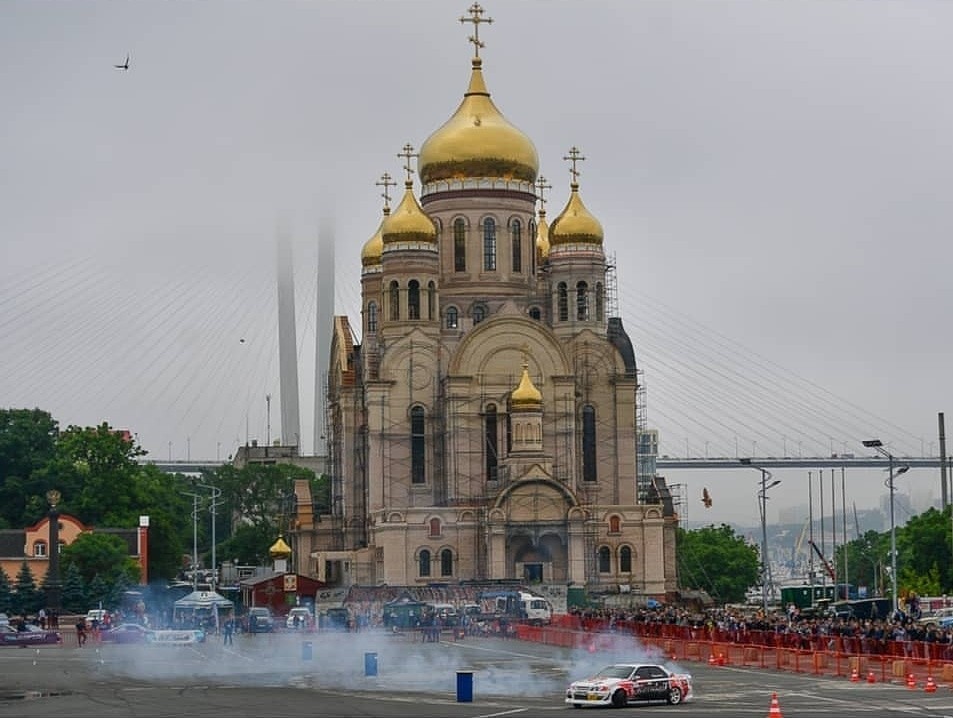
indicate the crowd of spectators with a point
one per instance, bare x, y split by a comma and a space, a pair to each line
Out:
904, 633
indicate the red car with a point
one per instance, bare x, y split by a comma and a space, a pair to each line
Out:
31, 636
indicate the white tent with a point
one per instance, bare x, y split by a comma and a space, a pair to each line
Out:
198, 600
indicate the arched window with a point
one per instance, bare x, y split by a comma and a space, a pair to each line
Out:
431, 300
394, 301
563, 302
452, 318
625, 560
531, 234
516, 239
614, 524
417, 445
490, 442
534, 313
434, 527
479, 314
372, 316
588, 443
413, 299
600, 301
424, 562
582, 301
489, 245
459, 246
604, 560
446, 562
39, 549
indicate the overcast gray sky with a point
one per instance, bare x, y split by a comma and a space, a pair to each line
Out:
773, 179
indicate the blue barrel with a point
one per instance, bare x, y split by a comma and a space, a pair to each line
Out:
464, 686
306, 652
370, 664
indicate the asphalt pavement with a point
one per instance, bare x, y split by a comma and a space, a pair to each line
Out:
379, 674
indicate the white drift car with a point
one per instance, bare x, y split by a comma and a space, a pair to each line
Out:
625, 683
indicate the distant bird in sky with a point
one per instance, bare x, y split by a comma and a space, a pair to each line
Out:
125, 65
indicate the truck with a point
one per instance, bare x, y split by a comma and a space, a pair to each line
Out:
517, 605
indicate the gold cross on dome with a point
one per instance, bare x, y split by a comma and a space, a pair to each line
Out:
407, 154
476, 17
574, 156
542, 184
386, 182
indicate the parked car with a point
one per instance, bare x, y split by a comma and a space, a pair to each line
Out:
30, 636
260, 620
100, 615
305, 619
127, 633
625, 683
4, 619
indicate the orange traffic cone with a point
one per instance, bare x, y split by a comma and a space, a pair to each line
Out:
854, 676
711, 659
592, 647
930, 687
775, 710
871, 678
911, 681
721, 659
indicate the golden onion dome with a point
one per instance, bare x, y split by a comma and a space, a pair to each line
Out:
526, 395
542, 236
374, 247
279, 549
478, 141
408, 222
575, 224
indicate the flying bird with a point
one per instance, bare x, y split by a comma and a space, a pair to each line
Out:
125, 65
706, 498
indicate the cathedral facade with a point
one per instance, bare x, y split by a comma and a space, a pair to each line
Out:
482, 420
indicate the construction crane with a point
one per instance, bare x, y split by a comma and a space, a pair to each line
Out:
827, 565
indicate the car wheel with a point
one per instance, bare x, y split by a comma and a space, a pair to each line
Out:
619, 699
674, 696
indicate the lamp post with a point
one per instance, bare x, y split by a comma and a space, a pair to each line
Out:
878, 445
52, 583
765, 562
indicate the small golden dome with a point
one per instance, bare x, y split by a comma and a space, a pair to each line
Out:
542, 237
409, 222
374, 247
279, 549
477, 141
575, 225
526, 395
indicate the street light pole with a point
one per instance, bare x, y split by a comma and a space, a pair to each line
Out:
878, 445
765, 562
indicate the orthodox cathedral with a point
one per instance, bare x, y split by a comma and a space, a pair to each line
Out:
482, 420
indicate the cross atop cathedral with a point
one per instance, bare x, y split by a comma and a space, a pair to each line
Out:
525, 350
574, 156
386, 182
407, 154
476, 17
542, 184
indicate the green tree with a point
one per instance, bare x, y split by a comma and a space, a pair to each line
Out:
924, 553
248, 544
718, 561
74, 590
100, 591
6, 593
27, 443
103, 555
28, 599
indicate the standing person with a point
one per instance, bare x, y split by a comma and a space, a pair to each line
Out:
81, 632
41, 616
229, 629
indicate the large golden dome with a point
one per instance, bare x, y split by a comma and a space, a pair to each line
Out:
526, 395
575, 224
374, 247
477, 141
408, 222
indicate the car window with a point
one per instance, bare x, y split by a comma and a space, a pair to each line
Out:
649, 673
